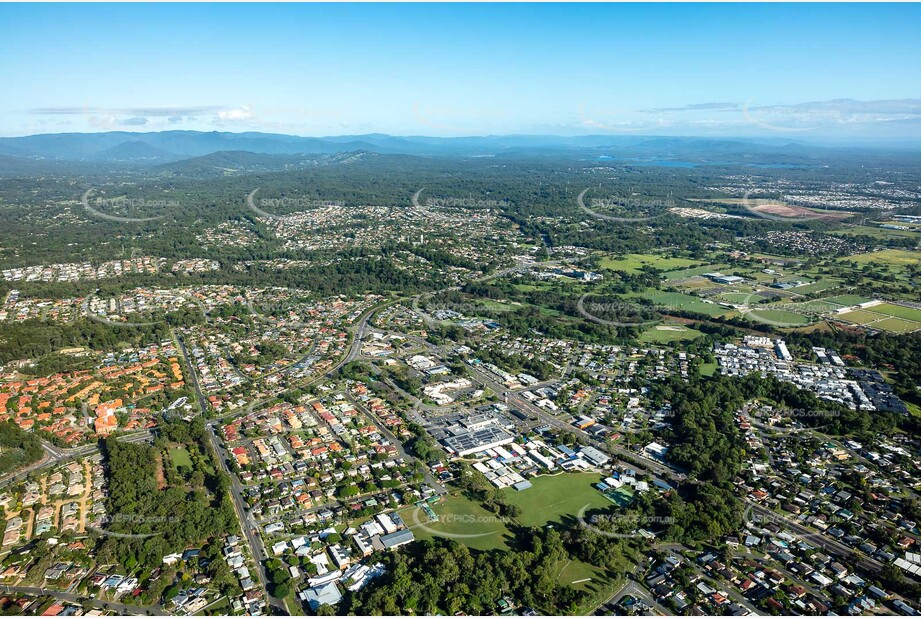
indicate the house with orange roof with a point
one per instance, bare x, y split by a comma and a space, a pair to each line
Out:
106, 421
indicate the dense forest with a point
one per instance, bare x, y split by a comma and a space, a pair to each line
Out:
17, 447
154, 510
442, 576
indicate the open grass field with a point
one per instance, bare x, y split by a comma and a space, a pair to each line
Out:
860, 316
816, 307
695, 285
818, 286
898, 311
180, 457
666, 333
738, 298
691, 272
708, 369
685, 302
588, 578
780, 317
847, 300
896, 325
460, 519
913, 409
493, 305
876, 232
889, 257
533, 286
634, 262
818, 327
886, 316
554, 497
577, 573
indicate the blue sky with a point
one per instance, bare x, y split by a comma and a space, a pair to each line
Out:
844, 71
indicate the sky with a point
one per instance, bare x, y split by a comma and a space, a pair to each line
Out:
844, 72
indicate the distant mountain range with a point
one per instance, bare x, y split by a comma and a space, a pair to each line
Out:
197, 153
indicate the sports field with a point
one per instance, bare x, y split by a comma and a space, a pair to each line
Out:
885, 316
741, 298
686, 302
818, 286
554, 497
778, 317
898, 311
847, 300
459, 519
634, 262
666, 333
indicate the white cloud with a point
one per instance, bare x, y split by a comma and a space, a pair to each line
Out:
235, 115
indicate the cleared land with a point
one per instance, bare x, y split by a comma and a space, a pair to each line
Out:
180, 457
777, 208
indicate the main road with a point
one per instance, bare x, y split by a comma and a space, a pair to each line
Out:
253, 539
120, 608
55, 455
